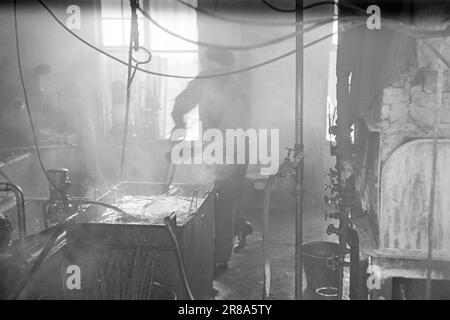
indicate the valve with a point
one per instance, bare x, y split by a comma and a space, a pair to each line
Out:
333, 173
333, 215
289, 166
60, 205
330, 200
331, 229
332, 187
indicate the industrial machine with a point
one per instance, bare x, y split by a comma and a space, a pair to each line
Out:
388, 188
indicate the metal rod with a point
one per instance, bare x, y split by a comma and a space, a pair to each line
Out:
299, 148
127, 107
437, 121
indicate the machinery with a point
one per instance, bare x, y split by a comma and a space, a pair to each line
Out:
388, 187
124, 260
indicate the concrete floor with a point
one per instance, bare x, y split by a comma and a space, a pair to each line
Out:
244, 279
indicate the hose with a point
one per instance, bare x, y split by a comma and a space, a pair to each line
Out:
169, 226
128, 100
109, 206
317, 4
205, 76
230, 47
266, 23
41, 258
271, 6
25, 95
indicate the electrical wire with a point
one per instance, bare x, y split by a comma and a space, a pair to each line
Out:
25, 94
109, 206
207, 76
234, 48
238, 21
316, 4
265, 23
271, 6
128, 99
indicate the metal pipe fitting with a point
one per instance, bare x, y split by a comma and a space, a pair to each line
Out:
20, 204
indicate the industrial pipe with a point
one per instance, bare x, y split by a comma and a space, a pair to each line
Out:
20, 204
299, 99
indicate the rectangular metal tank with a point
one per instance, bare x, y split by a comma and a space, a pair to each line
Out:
116, 260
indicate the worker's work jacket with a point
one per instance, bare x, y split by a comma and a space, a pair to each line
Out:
222, 105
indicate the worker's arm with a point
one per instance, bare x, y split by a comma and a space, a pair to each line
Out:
185, 102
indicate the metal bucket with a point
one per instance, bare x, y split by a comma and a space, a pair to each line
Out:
321, 278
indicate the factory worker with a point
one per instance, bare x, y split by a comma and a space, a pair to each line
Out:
222, 105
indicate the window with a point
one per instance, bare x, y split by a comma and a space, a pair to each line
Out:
153, 97
116, 17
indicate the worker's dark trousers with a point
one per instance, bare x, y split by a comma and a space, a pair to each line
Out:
228, 209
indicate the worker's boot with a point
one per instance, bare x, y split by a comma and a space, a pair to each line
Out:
244, 229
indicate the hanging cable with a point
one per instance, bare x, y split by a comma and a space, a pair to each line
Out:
170, 228
266, 23
238, 21
109, 206
229, 47
317, 4
276, 8
131, 76
25, 95
134, 45
207, 76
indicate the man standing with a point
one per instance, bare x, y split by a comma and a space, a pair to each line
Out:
222, 105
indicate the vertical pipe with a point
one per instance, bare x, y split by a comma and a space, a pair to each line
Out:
127, 107
437, 121
353, 241
299, 148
